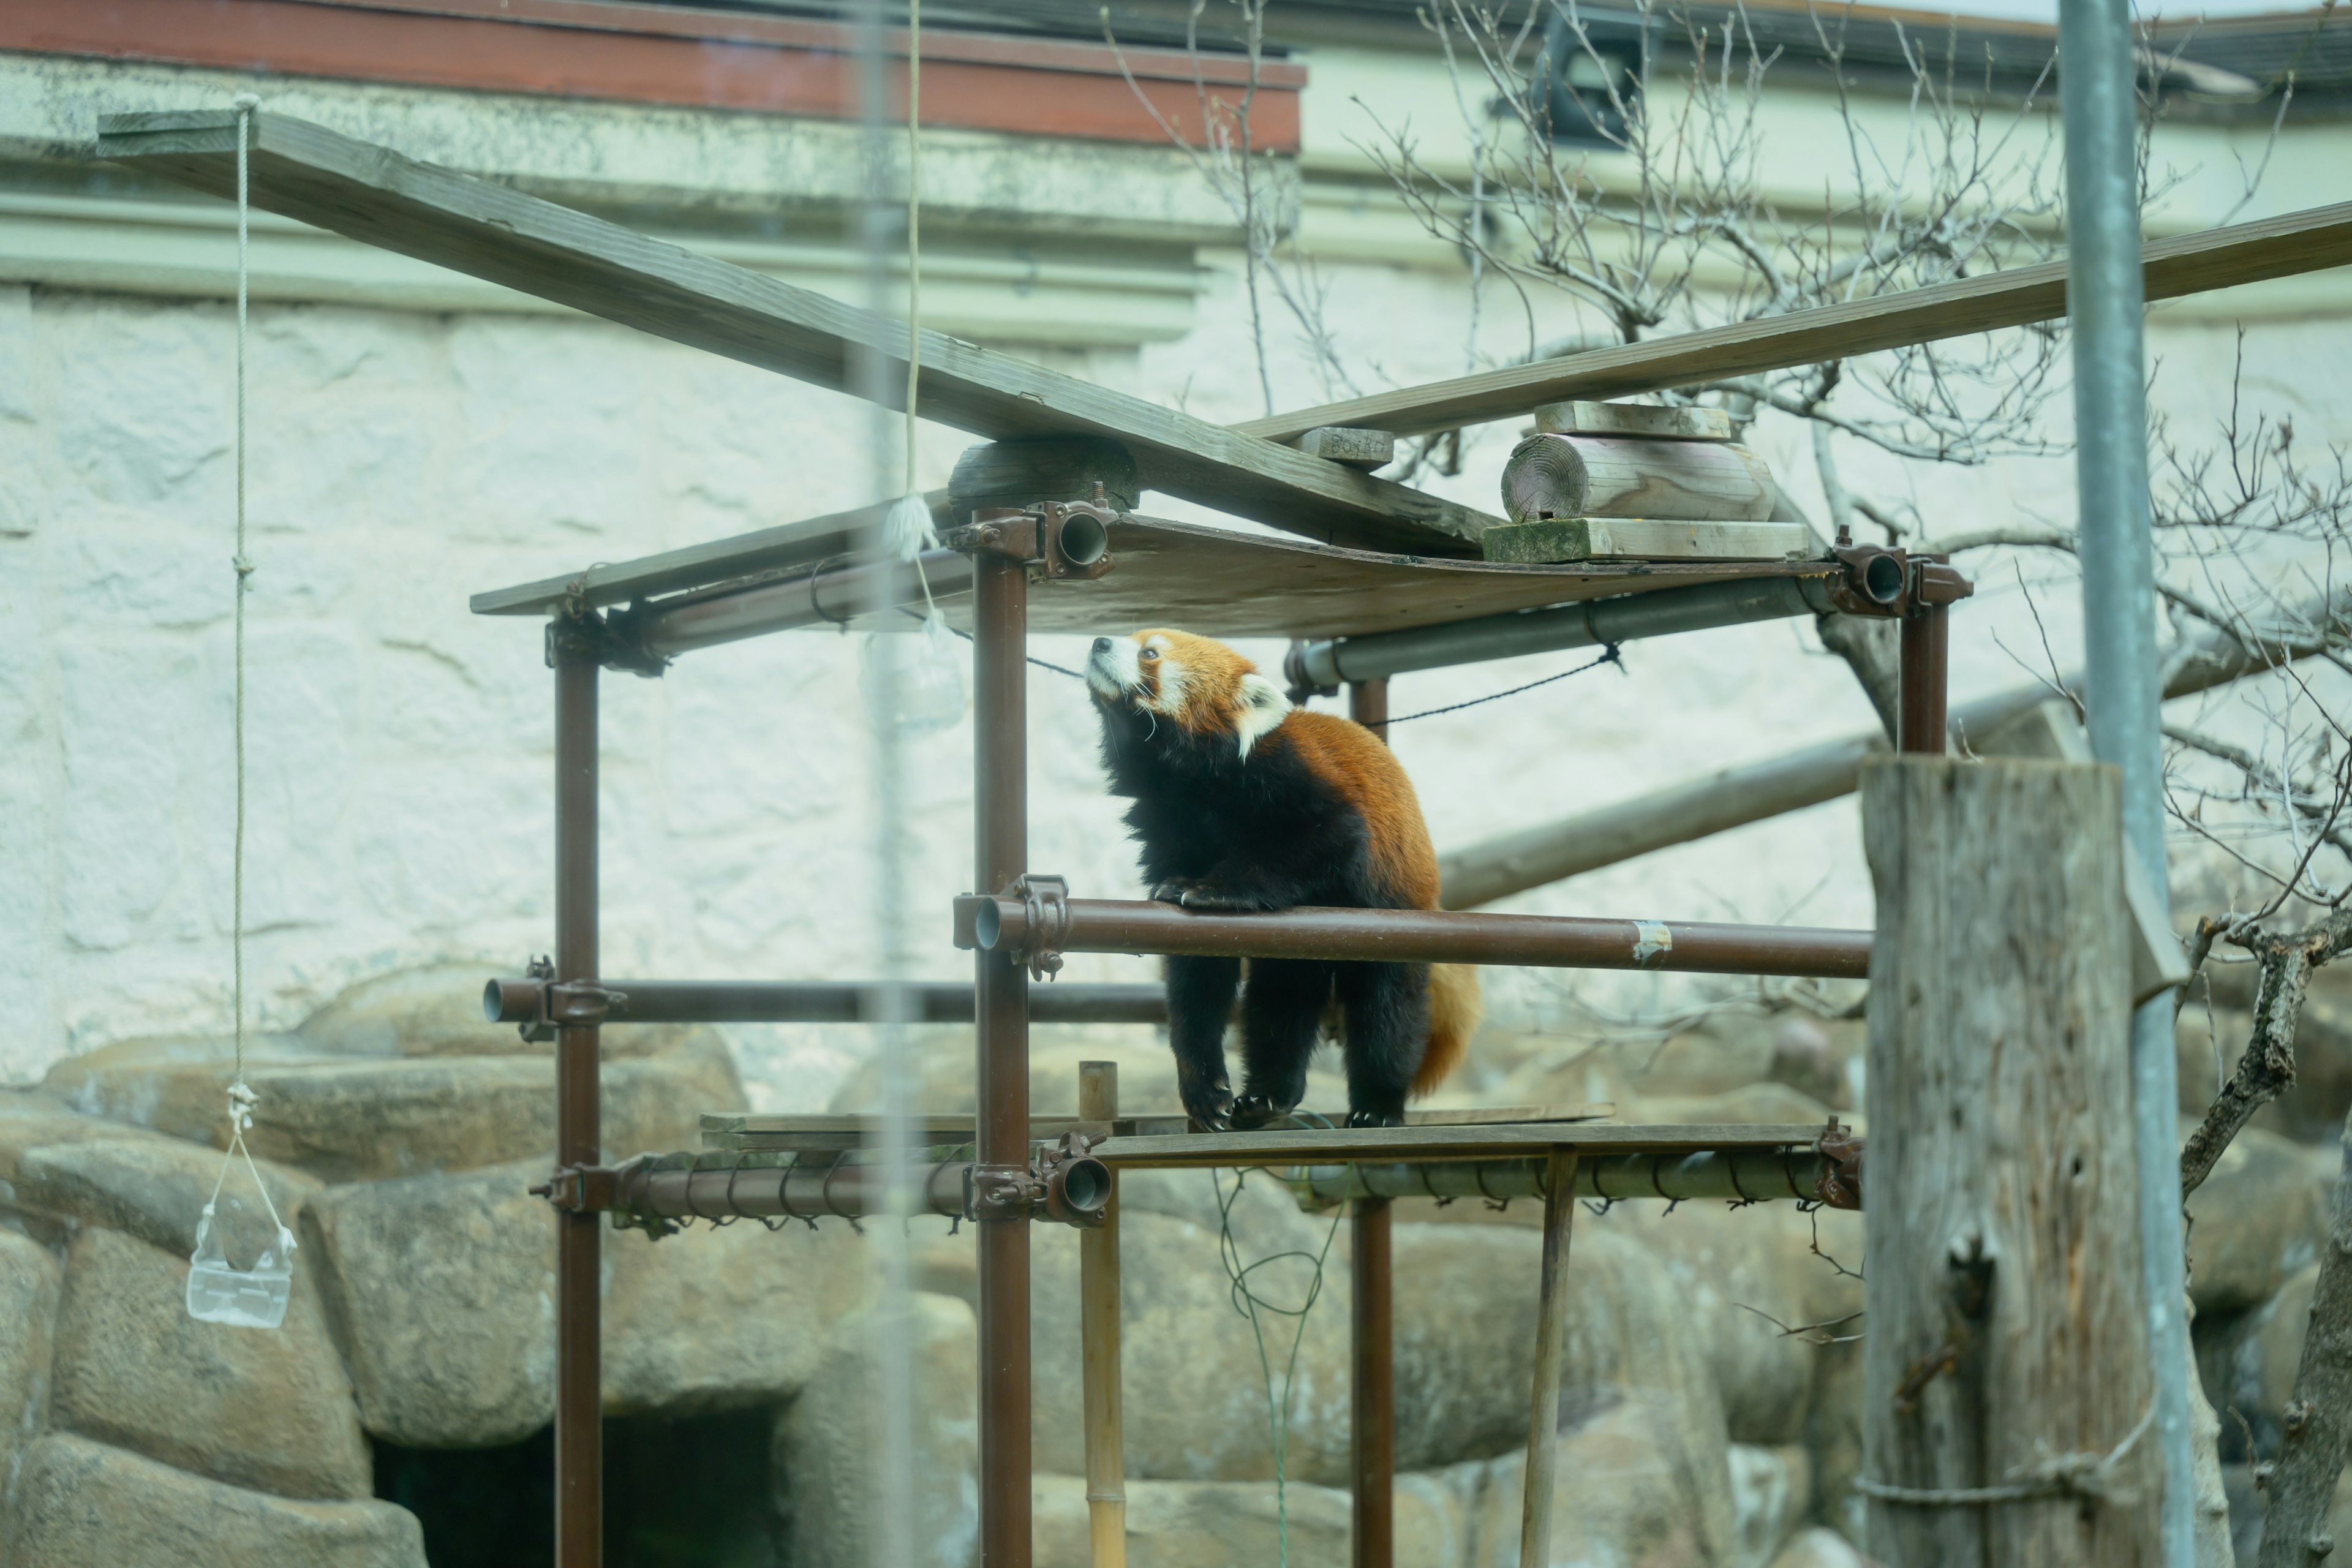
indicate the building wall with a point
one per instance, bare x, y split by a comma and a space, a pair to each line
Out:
414, 440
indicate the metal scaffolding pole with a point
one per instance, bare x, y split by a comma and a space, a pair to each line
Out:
2104, 303
579, 1363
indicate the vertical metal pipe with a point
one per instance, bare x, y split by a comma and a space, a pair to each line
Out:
578, 1414
1920, 717
1000, 766
1543, 1409
1372, 1311
2105, 302
1098, 1332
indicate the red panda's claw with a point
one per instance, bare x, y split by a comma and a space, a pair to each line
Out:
1170, 892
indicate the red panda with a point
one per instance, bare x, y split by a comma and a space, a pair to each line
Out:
1243, 802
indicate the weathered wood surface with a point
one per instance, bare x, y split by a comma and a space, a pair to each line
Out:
1046, 467
1608, 476
1357, 449
749, 1130
1731, 797
1408, 1144
1551, 540
1099, 1336
1551, 1328
1636, 419
487, 230
2006, 1343
2218, 258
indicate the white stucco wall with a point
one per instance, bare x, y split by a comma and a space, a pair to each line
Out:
400, 747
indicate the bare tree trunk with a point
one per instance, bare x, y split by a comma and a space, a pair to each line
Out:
2319, 1415
1867, 643
2008, 1403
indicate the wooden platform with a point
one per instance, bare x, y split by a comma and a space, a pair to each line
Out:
743, 1129
1213, 581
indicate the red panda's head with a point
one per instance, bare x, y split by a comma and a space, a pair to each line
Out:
1201, 685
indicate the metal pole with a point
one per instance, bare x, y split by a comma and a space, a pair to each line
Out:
1371, 1311
1000, 785
2105, 304
1920, 717
1099, 1332
578, 1414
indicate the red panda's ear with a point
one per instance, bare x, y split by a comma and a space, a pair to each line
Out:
1263, 706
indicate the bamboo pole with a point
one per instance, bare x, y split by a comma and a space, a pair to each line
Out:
1098, 1331
1543, 1411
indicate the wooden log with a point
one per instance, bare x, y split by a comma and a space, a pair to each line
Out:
487, 230
1590, 475
1732, 798
1543, 1407
1542, 542
1639, 420
2189, 264
2006, 1375
1343, 444
1043, 467
1099, 1329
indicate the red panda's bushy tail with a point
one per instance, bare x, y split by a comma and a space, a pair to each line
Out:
1454, 1009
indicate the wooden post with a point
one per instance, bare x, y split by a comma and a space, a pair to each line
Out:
1098, 1332
1543, 1408
2008, 1355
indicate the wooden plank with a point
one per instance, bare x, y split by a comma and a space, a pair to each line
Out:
1556, 539
1099, 1347
1357, 449
1339, 1145
486, 230
1641, 421
1551, 1312
2218, 258
1608, 476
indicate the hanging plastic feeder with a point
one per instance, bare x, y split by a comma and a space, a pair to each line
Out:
219, 1292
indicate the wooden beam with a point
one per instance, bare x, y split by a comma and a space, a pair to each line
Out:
2218, 258
486, 230
1551, 1312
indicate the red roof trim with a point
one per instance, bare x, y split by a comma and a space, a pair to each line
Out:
581, 48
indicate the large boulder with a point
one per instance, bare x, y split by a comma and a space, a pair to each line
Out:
2257, 1218
84, 1505
369, 1118
155, 1188
28, 1304
826, 1442
1212, 1524
443, 1291
32, 1119
2247, 1363
271, 1410
1623, 1491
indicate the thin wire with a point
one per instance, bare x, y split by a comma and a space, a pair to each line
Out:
1608, 657
245, 103
914, 231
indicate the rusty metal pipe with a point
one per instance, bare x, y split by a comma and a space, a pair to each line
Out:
837, 597
1742, 1175
1077, 1190
1921, 719
579, 1370
1372, 1314
512, 1001
998, 923
1000, 846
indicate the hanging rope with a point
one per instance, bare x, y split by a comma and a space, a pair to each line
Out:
245, 103
907, 530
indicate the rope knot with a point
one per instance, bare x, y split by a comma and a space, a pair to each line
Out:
244, 565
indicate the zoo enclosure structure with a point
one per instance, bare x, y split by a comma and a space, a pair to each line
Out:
1044, 535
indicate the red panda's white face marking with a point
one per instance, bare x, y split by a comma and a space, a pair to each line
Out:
1201, 685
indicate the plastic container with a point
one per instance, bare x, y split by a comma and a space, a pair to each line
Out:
251, 1298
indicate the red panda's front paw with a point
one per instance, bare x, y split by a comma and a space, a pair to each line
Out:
1200, 896
1171, 890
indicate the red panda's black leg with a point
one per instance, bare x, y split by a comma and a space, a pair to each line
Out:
1387, 1008
1200, 1001
1282, 1008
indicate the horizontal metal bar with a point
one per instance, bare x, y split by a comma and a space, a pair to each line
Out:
1592, 623
1739, 1175
830, 1002
835, 597
843, 1189
1459, 1143
1421, 936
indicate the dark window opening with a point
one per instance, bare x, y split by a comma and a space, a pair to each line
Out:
1588, 88
691, 1493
